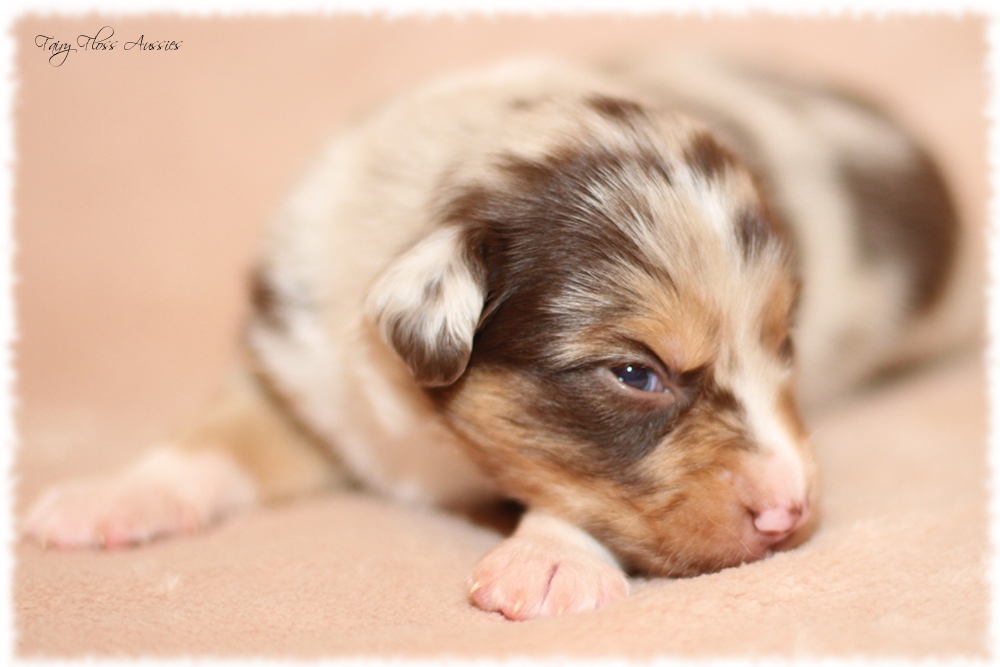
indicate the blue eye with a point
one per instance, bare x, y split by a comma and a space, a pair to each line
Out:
638, 377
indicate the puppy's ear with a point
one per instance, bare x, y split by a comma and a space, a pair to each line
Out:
427, 304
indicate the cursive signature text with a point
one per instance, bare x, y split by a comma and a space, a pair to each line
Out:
103, 40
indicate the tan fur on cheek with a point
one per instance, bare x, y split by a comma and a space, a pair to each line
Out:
673, 513
688, 519
789, 413
500, 437
778, 312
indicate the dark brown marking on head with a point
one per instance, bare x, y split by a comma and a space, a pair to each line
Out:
709, 157
546, 239
727, 129
906, 212
614, 430
731, 141
755, 230
265, 299
617, 108
600, 431
553, 240
569, 173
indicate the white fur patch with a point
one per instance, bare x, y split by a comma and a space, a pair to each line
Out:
400, 296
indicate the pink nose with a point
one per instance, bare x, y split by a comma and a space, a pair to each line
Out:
776, 523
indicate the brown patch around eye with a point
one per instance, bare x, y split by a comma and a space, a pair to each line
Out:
720, 399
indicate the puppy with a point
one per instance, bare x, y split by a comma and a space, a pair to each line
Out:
601, 293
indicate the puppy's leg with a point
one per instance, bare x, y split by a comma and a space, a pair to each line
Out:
241, 450
546, 568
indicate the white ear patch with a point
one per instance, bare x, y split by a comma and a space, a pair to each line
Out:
427, 304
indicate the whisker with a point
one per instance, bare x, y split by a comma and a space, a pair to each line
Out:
725, 528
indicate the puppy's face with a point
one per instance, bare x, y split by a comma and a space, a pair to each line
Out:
604, 318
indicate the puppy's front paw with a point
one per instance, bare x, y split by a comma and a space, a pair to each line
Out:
167, 492
532, 576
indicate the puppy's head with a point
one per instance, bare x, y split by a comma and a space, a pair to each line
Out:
603, 316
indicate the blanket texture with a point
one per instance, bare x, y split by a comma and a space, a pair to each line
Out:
144, 177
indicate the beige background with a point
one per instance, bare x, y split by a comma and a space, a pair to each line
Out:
142, 182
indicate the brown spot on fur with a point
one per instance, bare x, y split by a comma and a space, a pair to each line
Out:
524, 103
422, 333
729, 130
755, 229
906, 212
707, 156
786, 350
778, 316
434, 362
728, 142
264, 299
903, 210
616, 108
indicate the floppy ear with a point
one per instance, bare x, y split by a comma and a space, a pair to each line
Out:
427, 304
